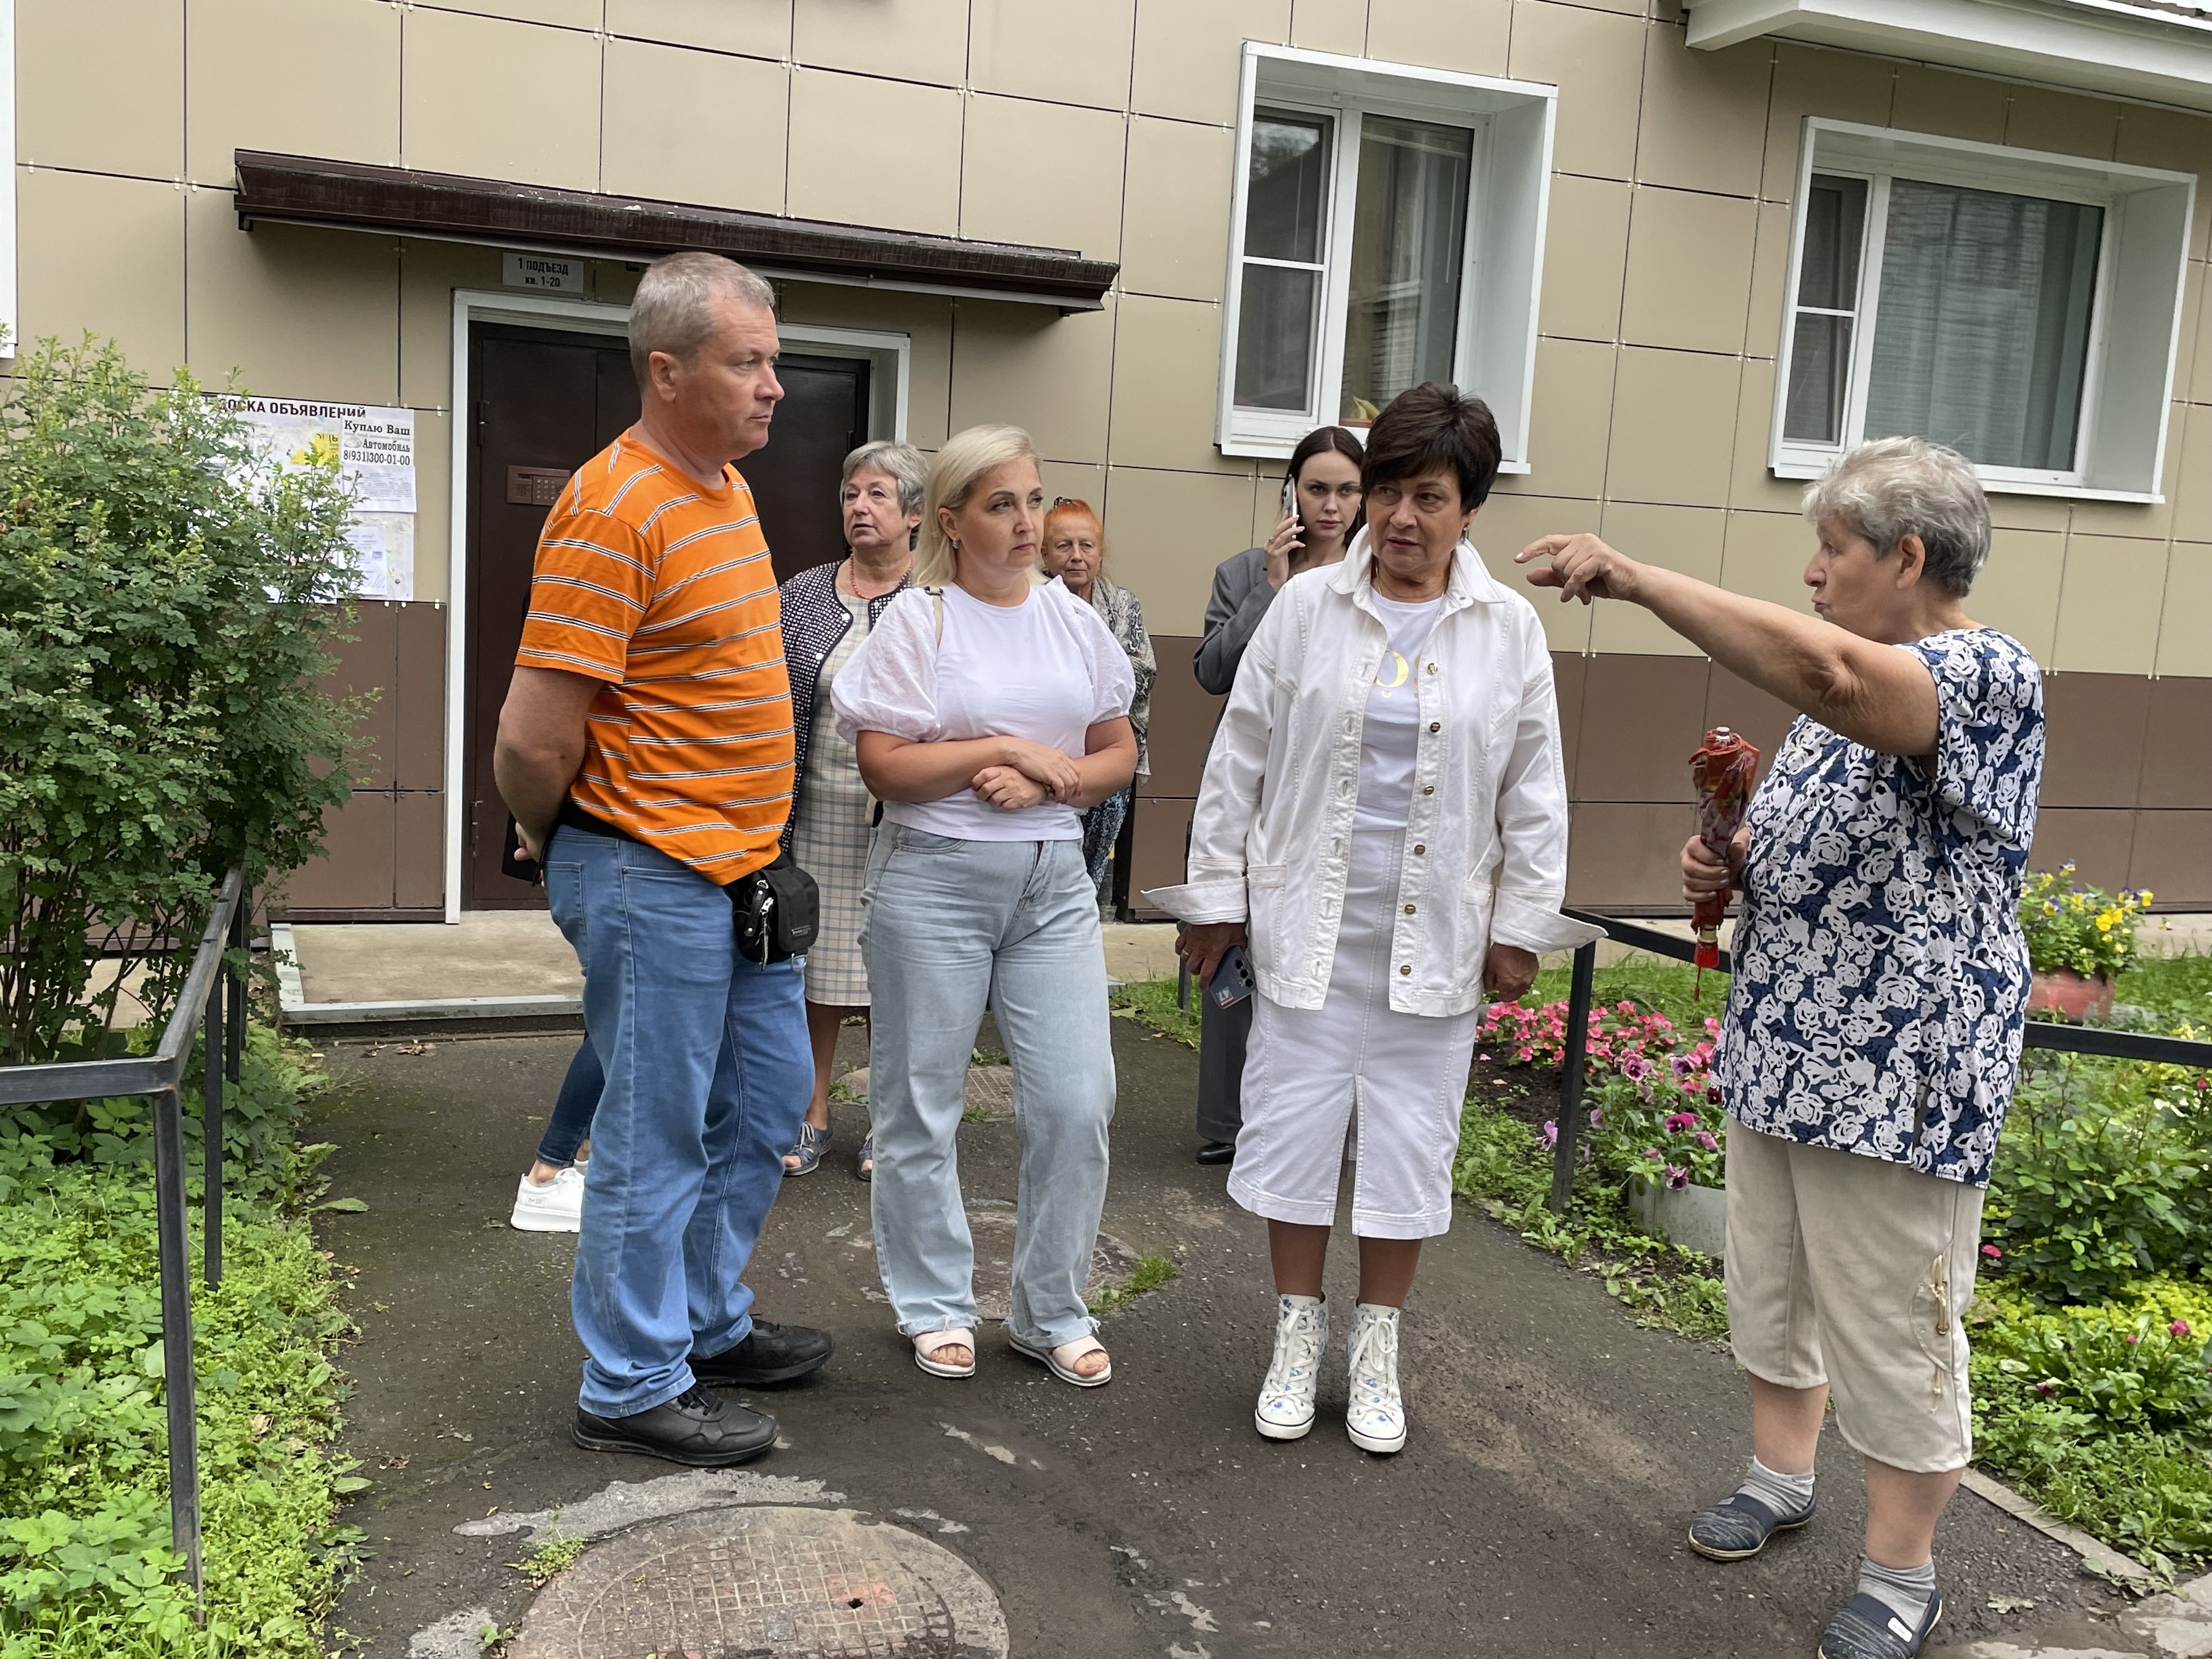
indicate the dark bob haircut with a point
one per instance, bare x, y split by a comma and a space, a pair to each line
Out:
1321, 441
1431, 426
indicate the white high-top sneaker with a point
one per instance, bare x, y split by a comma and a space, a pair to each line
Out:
1287, 1397
1375, 1418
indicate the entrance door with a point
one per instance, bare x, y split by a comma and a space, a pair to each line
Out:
547, 400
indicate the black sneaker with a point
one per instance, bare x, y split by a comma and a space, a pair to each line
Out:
772, 1353
698, 1429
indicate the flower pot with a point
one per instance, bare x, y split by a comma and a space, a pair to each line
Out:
2062, 991
1695, 1217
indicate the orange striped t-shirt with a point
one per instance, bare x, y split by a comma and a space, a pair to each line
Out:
663, 589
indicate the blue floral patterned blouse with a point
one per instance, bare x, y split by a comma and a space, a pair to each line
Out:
1880, 977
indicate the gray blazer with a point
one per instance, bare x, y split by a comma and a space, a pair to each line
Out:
1241, 597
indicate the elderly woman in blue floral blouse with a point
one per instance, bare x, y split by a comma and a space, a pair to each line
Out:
1873, 1024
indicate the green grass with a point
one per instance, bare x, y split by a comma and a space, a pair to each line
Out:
1152, 1002
2177, 989
556, 1554
1150, 1273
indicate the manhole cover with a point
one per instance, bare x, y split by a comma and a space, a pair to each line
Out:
765, 1584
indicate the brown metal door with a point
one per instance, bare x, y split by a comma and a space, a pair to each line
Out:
546, 402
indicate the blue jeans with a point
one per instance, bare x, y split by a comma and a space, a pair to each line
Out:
707, 1073
945, 924
573, 1109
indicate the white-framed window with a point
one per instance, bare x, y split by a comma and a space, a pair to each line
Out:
2022, 307
1387, 229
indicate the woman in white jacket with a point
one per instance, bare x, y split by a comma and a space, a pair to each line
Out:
1383, 825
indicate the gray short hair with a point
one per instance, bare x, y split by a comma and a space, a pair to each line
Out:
1892, 488
902, 463
673, 310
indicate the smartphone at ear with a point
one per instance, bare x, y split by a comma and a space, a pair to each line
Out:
1291, 501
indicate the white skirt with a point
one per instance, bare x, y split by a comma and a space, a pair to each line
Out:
1355, 1080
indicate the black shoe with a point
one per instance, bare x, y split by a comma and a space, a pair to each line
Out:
1738, 1527
1217, 1151
698, 1429
772, 1353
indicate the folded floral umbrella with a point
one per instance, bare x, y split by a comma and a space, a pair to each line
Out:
1724, 770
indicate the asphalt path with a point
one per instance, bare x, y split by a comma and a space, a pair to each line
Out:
1557, 1449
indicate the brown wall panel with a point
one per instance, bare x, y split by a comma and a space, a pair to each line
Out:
2097, 844
2093, 738
355, 870
1627, 858
1570, 676
1762, 720
1162, 834
417, 697
419, 851
2173, 859
2177, 747
365, 667
1183, 715
1641, 718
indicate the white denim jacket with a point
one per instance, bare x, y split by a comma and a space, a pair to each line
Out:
1487, 837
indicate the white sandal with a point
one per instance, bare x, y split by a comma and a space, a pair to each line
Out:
927, 1344
1060, 1361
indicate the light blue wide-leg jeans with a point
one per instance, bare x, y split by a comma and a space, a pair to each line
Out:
708, 1073
945, 925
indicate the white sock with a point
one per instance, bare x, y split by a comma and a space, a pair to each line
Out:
1788, 1495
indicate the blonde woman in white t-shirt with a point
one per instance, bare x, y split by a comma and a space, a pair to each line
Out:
989, 710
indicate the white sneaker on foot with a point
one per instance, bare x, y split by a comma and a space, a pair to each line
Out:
1287, 1397
1376, 1420
549, 1206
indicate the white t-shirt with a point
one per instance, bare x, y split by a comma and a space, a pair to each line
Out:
1046, 669
1392, 731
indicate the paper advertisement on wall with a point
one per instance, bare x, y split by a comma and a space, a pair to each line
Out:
374, 449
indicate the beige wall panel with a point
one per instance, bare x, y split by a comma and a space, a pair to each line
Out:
1750, 484
1704, 121
429, 274
135, 124
1338, 25
1507, 523
1048, 174
1765, 556
1568, 424
2170, 138
1843, 86
1169, 530
1167, 355
1081, 482
2129, 519
1673, 421
260, 77
1770, 281
1075, 54
433, 522
1689, 269
2109, 605
1175, 228
297, 313
759, 28
912, 40
1596, 60
2192, 369
2190, 484
1028, 365
1188, 54
2018, 589
103, 254
2030, 512
1952, 105
727, 148
1684, 538
2043, 119
476, 95
558, 14
843, 167
925, 318
1468, 35
1585, 253
2184, 643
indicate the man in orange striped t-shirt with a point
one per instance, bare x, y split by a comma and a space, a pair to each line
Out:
646, 751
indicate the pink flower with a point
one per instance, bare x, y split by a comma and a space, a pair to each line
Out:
1679, 1122
1676, 1178
1597, 1116
1712, 1095
1655, 1154
1484, 1058
1706, 1140
1683, 1065
2132, 1339
2046, 1388
1550, 1132
1992, 1252
2180, 1328
1635, 1068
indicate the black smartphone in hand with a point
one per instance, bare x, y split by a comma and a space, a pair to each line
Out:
1232, 978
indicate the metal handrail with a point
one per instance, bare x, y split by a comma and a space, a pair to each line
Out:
2041, 1034
160, 1074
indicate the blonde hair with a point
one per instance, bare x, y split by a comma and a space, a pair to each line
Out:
966, 457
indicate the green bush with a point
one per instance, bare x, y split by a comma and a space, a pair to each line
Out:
2083, 930
163, 613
